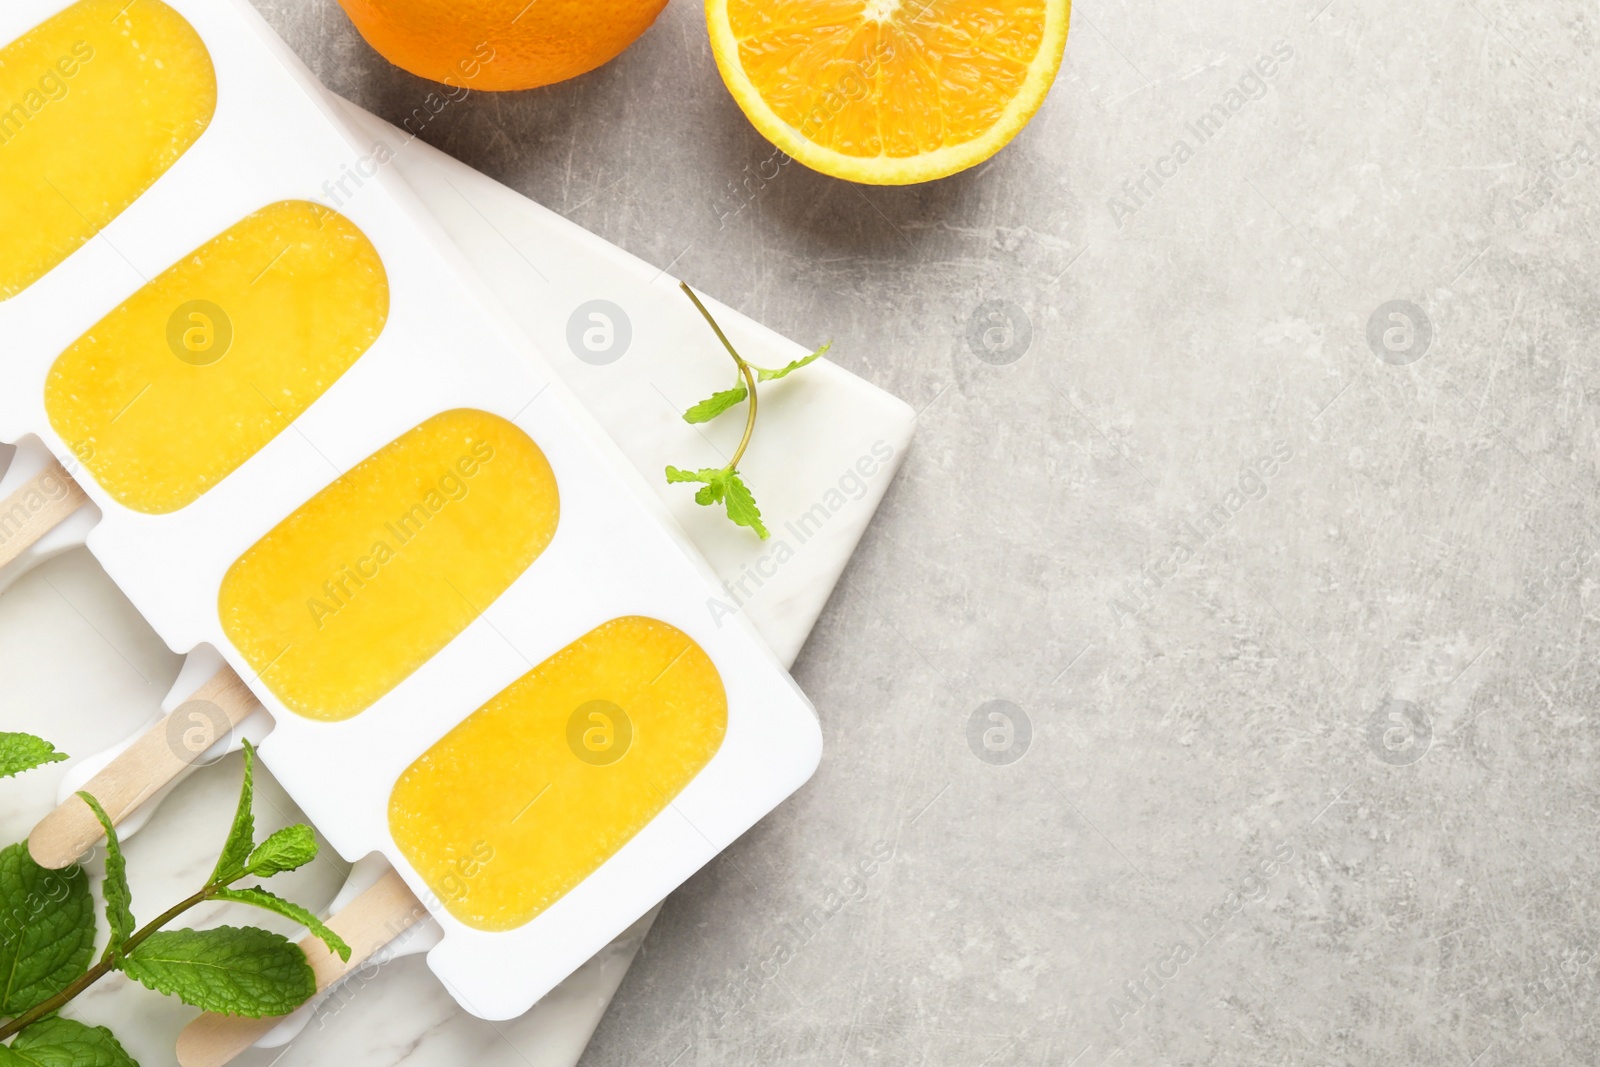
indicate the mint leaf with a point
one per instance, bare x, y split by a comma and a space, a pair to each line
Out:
261, 898
230, 970
784, 372
741, 505
283, 850
705, 474
716, 404
241, 837
712, 476
58, 1042
723, 486
119, 898
24, 752
46, 929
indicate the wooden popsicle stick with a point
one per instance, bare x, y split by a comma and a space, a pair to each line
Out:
39, 506
139, 771
369, 922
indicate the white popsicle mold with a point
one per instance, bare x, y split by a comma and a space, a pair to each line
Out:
199, 667
615, 553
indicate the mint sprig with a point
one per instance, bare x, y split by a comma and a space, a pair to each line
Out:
47, 934
724, 485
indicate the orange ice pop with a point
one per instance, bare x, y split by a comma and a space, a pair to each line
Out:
200, 369
95, 105
367, 581
536, 789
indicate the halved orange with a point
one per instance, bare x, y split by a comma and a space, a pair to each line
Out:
889, 92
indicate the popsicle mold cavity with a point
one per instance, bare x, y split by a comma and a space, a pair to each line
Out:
346, 598
535, 790
95, 105
200, 369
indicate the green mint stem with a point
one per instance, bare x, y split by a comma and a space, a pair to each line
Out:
744, 369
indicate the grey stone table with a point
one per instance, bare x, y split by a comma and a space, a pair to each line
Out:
1255, 477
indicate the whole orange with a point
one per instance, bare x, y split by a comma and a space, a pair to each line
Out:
500, 45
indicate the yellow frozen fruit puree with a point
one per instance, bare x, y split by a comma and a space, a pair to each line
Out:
367, 581
95, 105
535, 790
201, 368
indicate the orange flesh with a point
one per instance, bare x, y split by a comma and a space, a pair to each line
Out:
897, 78
533, 792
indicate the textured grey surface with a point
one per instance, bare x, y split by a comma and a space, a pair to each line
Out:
1316, 777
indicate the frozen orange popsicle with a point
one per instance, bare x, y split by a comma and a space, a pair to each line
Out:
95, 105
367, 581
535, 790
201, 368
